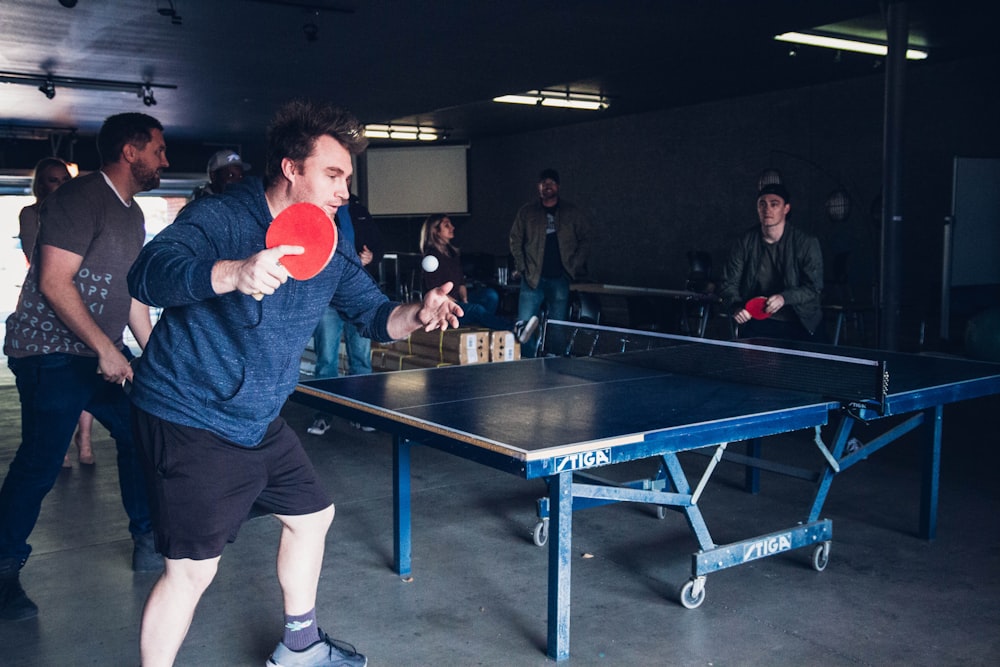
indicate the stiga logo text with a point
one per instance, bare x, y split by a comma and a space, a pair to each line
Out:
767, 547
601, 457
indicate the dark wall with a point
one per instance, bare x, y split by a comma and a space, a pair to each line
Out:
659, 184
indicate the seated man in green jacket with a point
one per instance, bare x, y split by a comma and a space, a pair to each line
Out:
780, 263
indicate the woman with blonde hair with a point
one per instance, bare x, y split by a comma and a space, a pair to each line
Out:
436, 237
50, 173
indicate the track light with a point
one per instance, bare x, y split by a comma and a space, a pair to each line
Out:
48, 88
168, 10
47, 83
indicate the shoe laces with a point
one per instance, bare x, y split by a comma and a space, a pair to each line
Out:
342, 648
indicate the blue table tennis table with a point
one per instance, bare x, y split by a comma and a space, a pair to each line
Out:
610, 396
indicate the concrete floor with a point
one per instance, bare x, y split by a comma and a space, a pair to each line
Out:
478, 596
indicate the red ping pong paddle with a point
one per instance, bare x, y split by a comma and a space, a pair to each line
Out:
755, 307
305, 225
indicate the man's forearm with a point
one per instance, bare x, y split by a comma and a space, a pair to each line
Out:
403, 320
71, 311
140, 323
224, 276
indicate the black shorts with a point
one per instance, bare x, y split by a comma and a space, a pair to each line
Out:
201, 487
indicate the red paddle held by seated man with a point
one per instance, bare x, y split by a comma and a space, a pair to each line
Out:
757, 307
309, 227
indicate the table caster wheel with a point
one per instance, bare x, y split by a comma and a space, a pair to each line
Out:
821, 556
541, 533
693, 593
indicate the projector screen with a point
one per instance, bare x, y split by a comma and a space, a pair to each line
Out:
417, 180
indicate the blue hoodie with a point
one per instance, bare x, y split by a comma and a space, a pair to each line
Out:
227, 363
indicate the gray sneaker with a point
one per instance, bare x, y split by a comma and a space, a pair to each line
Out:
525, 330
326, 652
319, 426
363, 427
144, 556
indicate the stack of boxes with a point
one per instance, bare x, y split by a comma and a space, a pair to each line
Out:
467, 345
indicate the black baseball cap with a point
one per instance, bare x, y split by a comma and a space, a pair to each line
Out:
774, 189
549, 173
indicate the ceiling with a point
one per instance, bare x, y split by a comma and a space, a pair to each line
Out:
436, 62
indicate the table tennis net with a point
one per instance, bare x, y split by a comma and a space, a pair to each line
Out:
858, 382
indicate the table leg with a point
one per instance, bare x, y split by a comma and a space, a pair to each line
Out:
930, 474
401, 505
751, 476
560, 546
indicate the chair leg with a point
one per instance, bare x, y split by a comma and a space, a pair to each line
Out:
837, 327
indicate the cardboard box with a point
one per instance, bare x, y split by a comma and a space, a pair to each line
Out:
391, 360
386, 360
452, 346
504, 346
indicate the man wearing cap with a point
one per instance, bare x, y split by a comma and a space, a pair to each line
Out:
781, 263
224, 168
549, 241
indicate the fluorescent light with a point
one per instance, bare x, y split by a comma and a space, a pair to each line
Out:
403, 132
566, 103
557, 98
842, 44
518, 99
377, 131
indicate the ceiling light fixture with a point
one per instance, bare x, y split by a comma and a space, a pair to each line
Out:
166, 8
48, 88
47, 84
403, 132
844, 44
565, 99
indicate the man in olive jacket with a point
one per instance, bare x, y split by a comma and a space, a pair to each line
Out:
782, 264
549, 241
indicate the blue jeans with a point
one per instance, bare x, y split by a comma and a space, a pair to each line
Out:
486, 297
554, 292
54, 389
326, 343
481, 309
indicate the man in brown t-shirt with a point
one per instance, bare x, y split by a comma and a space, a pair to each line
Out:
65, 341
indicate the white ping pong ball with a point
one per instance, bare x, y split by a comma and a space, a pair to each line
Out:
429, 264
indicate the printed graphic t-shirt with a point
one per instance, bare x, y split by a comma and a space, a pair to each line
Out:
86, 217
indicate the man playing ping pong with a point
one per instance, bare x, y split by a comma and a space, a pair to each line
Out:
220, 365
773, 277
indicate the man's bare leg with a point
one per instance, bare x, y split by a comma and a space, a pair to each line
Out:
300, 558
170, 608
